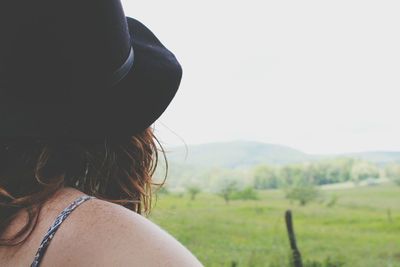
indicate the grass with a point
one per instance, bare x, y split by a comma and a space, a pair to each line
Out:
359, 230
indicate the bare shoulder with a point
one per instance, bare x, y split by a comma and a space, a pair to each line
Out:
105, 234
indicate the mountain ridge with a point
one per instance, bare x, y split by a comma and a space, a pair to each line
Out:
242, 154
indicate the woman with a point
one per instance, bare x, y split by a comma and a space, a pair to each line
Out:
80, 87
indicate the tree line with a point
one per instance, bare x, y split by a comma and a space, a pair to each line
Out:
265, 176
322, 172
299, 182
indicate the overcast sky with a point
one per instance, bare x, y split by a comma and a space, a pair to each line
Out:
319, 76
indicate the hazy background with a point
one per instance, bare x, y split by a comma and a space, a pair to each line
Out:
276, 99
319, 76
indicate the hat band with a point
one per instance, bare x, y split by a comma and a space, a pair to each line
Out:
122, 71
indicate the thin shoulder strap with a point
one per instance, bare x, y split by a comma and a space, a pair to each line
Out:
54, 227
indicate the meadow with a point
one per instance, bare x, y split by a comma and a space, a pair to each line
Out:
361, 229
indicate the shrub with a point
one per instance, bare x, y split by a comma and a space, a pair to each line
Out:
302, 193
246, 194
228, 190
332, 201
193, 190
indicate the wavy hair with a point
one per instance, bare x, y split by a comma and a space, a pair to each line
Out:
31, 171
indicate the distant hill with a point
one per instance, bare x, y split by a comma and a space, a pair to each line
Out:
242, 154
236, 154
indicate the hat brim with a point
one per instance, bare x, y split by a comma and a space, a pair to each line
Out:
148, 88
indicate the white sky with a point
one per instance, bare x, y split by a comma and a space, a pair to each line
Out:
319, 76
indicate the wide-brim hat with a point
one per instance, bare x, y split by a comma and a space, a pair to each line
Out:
80, 70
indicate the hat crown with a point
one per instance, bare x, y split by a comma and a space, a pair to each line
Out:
67, 45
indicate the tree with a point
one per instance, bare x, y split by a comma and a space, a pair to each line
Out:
392, 172
193, 190
290, 174
303, 193
330, 171
227, 190
265, 177
363, 170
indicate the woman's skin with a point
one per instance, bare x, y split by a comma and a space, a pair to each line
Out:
97, 233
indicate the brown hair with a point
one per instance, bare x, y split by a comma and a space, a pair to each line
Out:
31, 171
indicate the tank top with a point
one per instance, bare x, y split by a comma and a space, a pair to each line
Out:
54, 227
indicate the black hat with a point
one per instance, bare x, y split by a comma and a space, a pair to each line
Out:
80, 69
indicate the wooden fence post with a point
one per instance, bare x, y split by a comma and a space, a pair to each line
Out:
292, 239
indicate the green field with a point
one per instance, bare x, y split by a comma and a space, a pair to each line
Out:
362, 229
